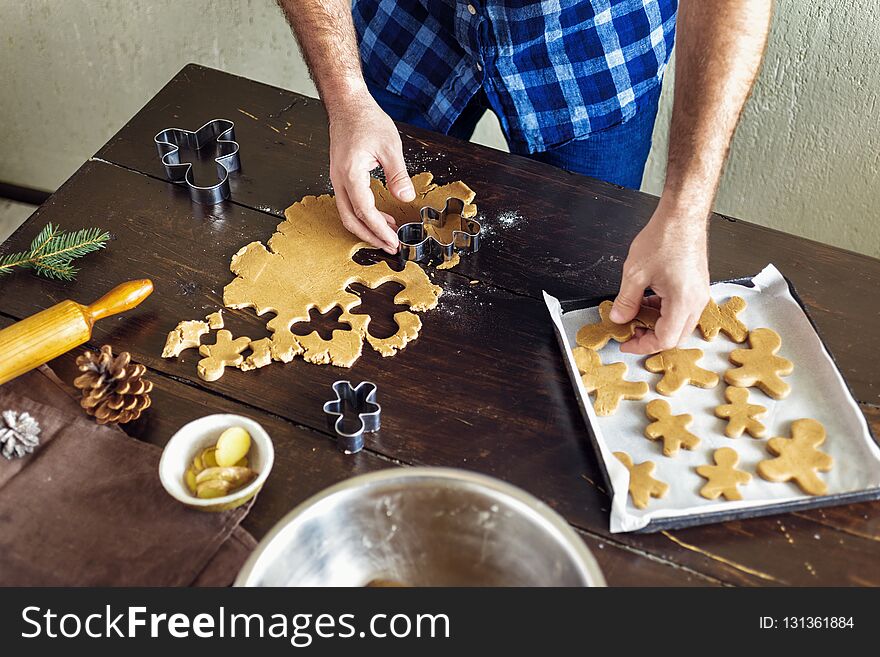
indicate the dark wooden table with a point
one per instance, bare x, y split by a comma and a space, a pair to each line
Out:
483, 387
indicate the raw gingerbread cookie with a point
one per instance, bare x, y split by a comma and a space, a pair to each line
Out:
723, 477
224, 353
679, 367
185, 335
760, 366
606, 382
642, 486
308, 264
597, 335
723, 319
260, 356
671, 428
798, 459
215, 320
740, 414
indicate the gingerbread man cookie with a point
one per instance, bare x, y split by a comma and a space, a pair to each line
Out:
760, 366
723, 319
597, 335
185, 335
723, 477
798, 458
226, 352
642, 486
740, 414
671, 428
606, 382
679, 367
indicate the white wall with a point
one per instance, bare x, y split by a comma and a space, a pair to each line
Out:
806, 155
806, 158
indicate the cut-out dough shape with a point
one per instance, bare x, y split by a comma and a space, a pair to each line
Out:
740, 414
798, 458
723, 477
185, 335
642, 486
723, 319
760, 366
606, 382
671, 428
224, 353
215, 320
308, 264
597, 335
679, 367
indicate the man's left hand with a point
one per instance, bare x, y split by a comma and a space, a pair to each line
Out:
669, 256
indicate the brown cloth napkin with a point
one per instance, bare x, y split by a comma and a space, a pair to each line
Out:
86, 508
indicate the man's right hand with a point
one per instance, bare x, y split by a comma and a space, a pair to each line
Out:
363, 137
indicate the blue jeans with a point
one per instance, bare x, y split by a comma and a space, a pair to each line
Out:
616, 155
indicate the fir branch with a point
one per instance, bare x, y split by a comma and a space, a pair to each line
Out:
45, 236
53, 251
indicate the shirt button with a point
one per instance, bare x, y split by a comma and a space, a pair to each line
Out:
479, 66
472, 9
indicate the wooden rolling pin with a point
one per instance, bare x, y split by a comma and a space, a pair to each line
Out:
48, 334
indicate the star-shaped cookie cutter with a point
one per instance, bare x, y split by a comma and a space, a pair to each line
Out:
417, 243
169, 141
363, 400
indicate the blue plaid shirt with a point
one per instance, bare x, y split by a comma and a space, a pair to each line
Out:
553, 71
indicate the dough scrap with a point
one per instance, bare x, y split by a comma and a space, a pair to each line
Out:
215, 320
308, 264
185, 335
723, 477
606, 382
679, 367
760, 366
740, 414
597, 335
452, 262
798, 458
224, 353
671, 428
642, 486
260, 356
723, 319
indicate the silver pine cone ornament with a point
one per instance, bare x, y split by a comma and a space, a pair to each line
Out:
113, 388
19, 434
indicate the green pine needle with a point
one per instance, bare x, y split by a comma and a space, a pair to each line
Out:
53, 251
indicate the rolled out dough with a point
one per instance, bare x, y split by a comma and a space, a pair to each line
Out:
308, 264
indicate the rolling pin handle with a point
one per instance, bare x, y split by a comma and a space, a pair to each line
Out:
121, 298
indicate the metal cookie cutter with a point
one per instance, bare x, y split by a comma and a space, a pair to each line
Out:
416, 243
363, 400
169, 141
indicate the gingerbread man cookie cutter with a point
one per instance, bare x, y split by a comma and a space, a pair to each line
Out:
420, 240
222, 131
361, 398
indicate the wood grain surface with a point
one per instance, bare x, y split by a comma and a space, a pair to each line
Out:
483, 387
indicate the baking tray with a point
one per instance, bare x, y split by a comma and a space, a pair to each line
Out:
694, 519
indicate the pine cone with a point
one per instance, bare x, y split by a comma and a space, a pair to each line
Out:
112, 388
19, 436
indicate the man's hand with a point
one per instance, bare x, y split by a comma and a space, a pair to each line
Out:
719, 46
669, 256
363, 137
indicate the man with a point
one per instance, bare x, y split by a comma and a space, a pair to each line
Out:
574, 83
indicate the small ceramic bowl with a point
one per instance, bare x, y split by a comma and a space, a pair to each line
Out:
192, 438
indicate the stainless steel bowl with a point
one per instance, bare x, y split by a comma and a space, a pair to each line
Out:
422, 527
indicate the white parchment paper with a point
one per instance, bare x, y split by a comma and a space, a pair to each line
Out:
818, 392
